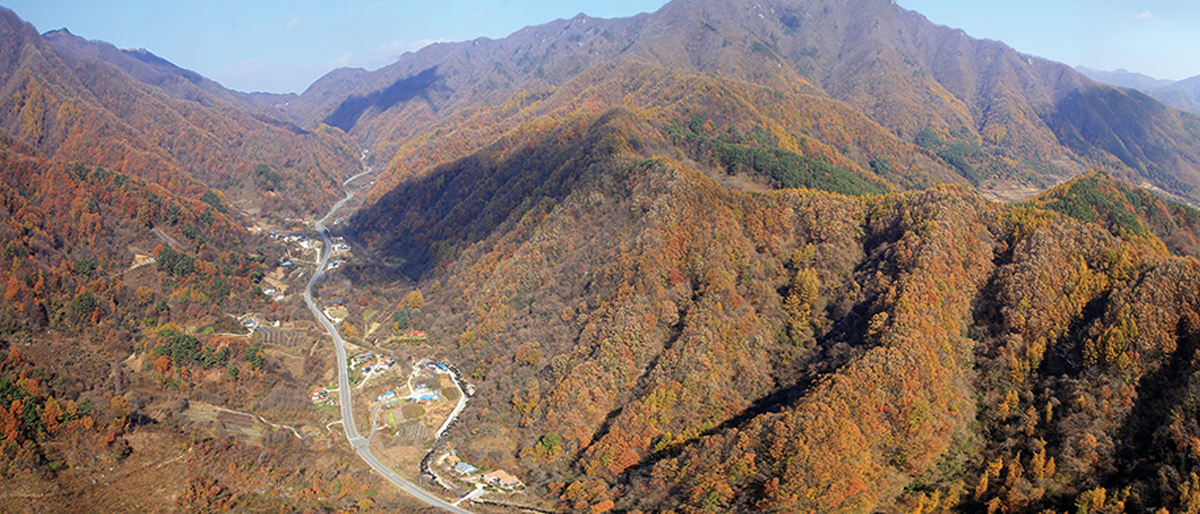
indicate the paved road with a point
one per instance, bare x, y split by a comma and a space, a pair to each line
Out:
361, 445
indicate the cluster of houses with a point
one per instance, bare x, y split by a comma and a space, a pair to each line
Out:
498, 477
381, 365
361, 358
370, 364
275, 294
339, 244
304, 241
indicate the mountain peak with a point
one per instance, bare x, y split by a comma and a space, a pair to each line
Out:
999, 119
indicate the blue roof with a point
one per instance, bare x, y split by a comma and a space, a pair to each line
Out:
465, 469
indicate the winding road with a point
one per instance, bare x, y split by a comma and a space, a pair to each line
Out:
361, 444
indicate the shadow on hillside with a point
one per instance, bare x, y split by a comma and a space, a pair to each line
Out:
1103, 122
431, 220
346, 115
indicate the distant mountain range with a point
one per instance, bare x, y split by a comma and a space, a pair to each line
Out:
977, 111
1183, 94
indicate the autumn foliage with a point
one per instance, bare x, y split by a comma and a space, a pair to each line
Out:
704, 349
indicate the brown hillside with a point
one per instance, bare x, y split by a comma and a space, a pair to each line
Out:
66, 101
698, 348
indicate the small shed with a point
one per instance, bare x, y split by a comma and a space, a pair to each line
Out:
464, 468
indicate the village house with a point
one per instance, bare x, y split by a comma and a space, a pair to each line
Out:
388, 398
319, 394
425, 396
501, 478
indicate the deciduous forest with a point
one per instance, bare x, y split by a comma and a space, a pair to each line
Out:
730, 256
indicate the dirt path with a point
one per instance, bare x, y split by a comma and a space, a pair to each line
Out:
167, 239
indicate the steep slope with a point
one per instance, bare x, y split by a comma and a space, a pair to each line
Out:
1003, 121
67, 101
645, 338
126, 261
153, 70
668, 251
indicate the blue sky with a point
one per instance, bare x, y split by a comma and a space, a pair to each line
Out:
282, 46
1160, 38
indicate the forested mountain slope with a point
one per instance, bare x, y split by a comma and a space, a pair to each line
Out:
646, 338
144, 66
62, 98
129, 189
655, 329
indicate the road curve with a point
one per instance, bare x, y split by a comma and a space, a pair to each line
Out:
360, 444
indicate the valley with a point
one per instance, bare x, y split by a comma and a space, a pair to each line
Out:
346, 403
728, 256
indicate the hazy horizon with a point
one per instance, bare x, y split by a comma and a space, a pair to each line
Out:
283, 47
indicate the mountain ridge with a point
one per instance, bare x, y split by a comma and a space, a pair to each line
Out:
1181, 94
1013, 112
1124, 78
75, 96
